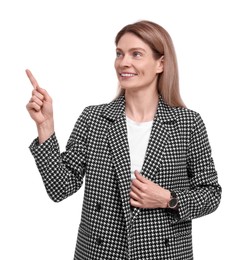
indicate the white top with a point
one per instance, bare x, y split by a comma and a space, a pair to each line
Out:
138, 138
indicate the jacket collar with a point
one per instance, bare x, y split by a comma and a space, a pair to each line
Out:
116, 109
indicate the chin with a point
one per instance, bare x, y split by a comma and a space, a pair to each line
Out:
127, 86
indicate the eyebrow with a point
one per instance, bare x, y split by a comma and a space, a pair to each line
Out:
133, 49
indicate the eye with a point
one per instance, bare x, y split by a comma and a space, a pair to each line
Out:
137, 54
118, 54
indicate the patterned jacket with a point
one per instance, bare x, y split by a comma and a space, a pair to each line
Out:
178, 158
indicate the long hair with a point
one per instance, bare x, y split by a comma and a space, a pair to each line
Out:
160, 42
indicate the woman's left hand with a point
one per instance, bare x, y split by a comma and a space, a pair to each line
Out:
147, 194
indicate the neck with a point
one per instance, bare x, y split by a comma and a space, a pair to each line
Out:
141, 106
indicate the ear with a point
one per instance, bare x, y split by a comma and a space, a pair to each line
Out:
160, 66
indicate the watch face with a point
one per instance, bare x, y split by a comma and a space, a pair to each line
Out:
173, 203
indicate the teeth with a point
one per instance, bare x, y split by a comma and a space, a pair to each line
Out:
127, 74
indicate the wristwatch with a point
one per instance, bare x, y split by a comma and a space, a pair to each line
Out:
174, 202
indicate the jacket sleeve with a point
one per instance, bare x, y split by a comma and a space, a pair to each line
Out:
62, 173
204, 195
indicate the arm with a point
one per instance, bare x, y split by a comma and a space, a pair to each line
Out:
204, 194
62, 174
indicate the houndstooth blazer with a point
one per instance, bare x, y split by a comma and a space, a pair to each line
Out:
178, 158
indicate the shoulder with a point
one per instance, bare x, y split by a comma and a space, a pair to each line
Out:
183, 114
109, 110
95, 109
91, 111
179, 115
188, 118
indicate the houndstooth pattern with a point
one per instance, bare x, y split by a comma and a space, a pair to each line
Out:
178, 158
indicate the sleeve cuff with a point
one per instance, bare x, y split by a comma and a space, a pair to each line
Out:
42, 151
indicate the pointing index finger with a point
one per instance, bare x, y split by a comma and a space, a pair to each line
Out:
32, 79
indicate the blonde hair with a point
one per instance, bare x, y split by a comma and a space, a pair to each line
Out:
160, 42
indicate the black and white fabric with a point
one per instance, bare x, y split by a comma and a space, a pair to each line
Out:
178, 158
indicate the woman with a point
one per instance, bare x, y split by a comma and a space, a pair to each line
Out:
146, 158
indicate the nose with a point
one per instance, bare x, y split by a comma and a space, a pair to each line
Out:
125, 61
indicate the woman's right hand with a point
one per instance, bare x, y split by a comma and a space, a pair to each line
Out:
40, 109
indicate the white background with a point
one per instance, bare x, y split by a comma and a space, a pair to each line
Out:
69, 46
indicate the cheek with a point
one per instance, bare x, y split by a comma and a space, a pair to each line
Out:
151, 70
146, 68
116, 64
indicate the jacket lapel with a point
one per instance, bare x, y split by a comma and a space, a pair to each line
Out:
118, 141
163, 123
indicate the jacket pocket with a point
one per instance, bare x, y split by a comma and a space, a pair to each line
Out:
182, 229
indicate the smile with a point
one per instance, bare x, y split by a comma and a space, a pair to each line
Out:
127, 74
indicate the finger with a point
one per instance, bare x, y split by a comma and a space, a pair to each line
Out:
140, 177
37, 93
32, 79
45, 94
136, 193
135, 203
33, 106
36, 100
134, 196
137, 184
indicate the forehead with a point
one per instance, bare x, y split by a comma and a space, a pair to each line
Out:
131, 41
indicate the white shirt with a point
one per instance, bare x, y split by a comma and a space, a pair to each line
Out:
138, 138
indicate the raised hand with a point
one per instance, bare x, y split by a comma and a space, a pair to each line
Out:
40, 109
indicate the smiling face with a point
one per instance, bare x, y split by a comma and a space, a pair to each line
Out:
135, 65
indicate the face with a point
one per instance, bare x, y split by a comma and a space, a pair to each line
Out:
135, 65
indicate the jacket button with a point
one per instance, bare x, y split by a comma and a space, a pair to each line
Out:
98, 241
98, 207
166, 242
